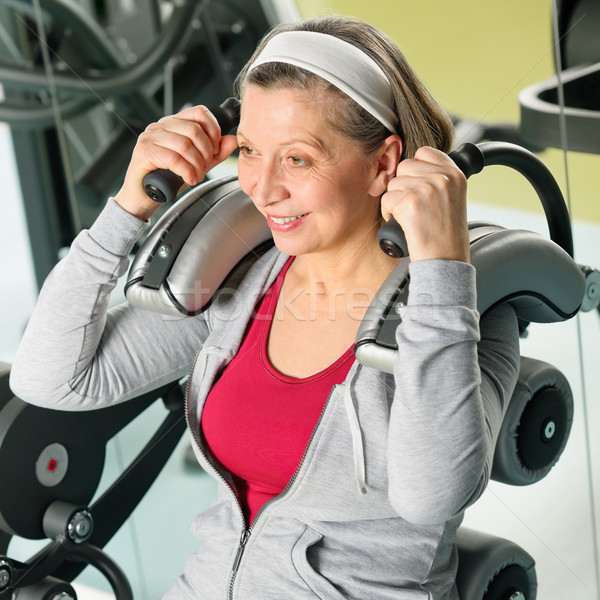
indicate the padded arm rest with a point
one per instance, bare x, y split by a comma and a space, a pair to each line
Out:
532, 273
194, 246
492, 568
536, 426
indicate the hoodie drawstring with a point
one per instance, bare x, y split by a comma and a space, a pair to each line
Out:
357, 439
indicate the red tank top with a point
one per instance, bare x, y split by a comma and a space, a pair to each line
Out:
257, 421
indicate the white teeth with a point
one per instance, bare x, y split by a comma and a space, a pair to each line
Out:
284, 220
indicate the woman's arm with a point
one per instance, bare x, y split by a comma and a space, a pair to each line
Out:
454, 375
454, 379
76, 354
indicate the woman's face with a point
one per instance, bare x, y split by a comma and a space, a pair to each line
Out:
312, 186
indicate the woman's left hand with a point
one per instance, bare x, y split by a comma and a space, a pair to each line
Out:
428, 199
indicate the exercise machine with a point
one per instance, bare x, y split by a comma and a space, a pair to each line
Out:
177, 271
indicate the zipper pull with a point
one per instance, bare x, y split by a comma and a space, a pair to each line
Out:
240, 552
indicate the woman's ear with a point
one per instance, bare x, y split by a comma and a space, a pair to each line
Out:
387, 159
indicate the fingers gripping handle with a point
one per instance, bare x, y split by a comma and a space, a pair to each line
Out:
470, 160
162, 185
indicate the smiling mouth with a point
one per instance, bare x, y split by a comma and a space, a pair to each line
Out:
284, 220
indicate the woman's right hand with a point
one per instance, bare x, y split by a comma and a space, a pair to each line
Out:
188, 144
428, 198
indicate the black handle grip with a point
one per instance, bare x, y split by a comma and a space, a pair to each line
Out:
227, 114
162, 185
470, 160
391, 239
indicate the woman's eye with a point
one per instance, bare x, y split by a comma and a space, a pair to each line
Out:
297, 161
246, 150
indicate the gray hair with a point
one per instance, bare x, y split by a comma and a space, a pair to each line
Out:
422, 122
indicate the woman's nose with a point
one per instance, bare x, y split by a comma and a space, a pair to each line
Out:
265, 185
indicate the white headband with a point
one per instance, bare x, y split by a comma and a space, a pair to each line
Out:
340, 63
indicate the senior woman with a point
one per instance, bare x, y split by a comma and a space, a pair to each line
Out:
335, 480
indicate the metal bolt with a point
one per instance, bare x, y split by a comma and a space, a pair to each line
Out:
399, 307
238, 27
164, 250
591, 299
549, 430
81, 526
5, 574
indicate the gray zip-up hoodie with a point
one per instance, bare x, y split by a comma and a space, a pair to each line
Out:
372, 510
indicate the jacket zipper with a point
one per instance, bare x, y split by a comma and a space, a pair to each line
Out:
247, 531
